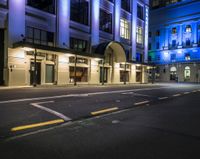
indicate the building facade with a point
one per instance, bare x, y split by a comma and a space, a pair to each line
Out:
174, 40
73, 41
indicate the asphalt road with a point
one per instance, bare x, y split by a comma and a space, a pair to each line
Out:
143, 121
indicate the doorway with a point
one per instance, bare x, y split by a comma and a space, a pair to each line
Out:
1, 56
103, 75
38, 73
173, 73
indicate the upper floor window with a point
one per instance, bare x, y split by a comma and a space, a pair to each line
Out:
139, 35
38, 36
157, 33
80, 11
187, 56
105, 21
45, 5
188, 29
124, 29
78, 44
140, 12
174, 31
125, 4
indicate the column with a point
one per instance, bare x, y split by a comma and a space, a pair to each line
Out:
194, 33
117, 20
134, 28
63, 23
16, 21
166, 38
95, 14
180, 36
146, 34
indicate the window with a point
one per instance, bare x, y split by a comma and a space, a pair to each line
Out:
78, 44
149, 46
79, 60
188, 29
125, 4
124, 76
188, 43
138, 57
187, 73
140, 12
174, 31
187, 56
173, 43
173, 57
49, 73
80, 74
124, 29
139, 35
157, 57
45, 5
38, 36
79, 11
105, 21
157, 33
150, 34
157, 45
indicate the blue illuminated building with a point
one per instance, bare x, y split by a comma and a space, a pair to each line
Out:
73, 41
174, 40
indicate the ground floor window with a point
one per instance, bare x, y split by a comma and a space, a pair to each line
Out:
78, 73
124, 76
173, 72
103, 74
187, 73
49, 73
138, 76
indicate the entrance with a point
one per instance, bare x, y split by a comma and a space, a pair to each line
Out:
173, 72
103, 75
138, 76
38, 73
1, 56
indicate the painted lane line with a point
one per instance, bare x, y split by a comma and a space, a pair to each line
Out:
76, 95
162, 98
104, 111
140, 103
194, 91
186, 93
39, 106
176, 95
24, 127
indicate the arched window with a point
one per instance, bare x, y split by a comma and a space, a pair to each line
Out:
187, 73
173, 72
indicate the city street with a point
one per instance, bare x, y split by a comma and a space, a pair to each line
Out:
134, 121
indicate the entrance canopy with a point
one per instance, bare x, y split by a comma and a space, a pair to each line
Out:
117, 49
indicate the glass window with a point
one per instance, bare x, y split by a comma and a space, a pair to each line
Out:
124, 29
80, 74
187, 73
80, 11
187, 56
105, 21
49, 73
45, 5
188, 29
140, 12
138, 57
124, 76
173, 57
78, 44
174, 31
139, 35
125, 4
38, 36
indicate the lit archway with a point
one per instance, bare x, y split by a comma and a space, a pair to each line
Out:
187, 73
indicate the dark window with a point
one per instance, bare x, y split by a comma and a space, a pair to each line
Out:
111, 0
45, 5
174, 31
149, 46
127, 54
188, 42
157, 57
49, 73
1, 56
150, 34
79, 11
140, 12
105, 21
78, 44
157, 33
173, 57
38, 36
138, 57
125, 4
157, 45
173, 43
149, 58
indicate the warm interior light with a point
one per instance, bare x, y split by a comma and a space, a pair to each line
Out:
28, 49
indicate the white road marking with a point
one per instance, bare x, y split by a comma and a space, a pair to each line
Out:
194, 91
140, 103
176, 95
39, 106
186, 93
162, 98
76, 95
